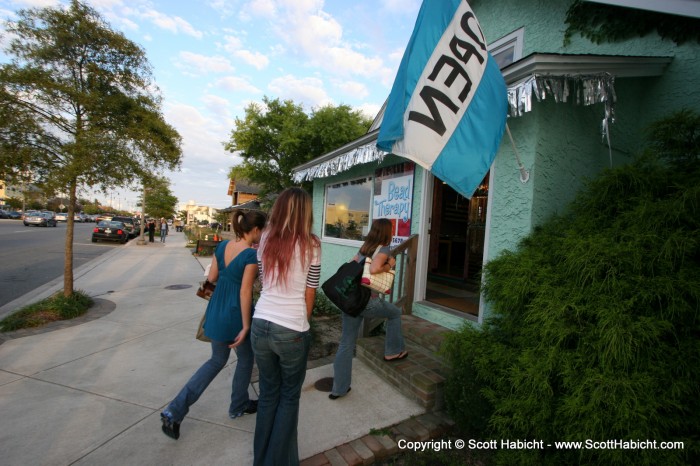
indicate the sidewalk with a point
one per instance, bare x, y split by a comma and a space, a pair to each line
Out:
92, 393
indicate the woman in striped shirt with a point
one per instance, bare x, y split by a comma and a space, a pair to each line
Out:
289, 257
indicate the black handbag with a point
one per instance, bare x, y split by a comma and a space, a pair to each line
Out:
344, 288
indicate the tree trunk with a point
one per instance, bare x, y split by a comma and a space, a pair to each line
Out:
68, 266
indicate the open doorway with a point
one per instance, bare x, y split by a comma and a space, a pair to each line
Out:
456, 248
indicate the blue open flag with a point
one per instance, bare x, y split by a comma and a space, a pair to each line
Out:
447, 108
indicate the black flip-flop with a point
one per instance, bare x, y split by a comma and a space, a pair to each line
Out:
402, 355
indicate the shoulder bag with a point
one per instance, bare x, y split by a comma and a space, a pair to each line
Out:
380, 282
344, 290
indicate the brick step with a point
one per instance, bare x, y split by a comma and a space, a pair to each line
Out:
426, 334
372, 448
420, 377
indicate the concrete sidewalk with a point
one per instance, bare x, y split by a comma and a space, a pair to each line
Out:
92, 393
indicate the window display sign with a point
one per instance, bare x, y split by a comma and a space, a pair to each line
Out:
393, 198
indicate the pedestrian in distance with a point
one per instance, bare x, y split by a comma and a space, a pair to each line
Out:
151, 230
163, 230
379, 236
227, 323
289, 257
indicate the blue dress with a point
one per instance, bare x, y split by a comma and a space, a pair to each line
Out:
223, 321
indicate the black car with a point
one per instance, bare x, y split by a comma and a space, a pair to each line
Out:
129, 223
108, 230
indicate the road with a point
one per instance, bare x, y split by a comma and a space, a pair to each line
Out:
33, 256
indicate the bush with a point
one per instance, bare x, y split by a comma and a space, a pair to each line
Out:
323, 306
595, 328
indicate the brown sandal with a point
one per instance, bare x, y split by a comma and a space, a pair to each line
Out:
402, 355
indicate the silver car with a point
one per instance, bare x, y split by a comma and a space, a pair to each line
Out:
40, 219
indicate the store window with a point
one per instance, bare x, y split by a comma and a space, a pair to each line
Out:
347, 209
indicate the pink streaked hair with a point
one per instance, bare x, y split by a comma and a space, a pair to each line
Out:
288, 228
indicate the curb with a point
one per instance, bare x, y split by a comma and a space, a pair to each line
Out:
372, 448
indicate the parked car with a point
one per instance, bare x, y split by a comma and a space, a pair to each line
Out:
79, 218
3, 214
61, 217
102, 217
129, 223
40, 219
13, 214
108, 230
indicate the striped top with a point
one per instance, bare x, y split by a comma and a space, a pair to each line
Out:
286, 305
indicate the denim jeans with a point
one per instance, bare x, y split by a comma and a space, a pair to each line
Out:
201, 379
281, 355
393, 343
241, 377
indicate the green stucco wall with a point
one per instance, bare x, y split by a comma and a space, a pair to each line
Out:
560, 143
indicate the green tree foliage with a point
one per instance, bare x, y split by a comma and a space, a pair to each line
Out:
601, 23
78, 108
160, 201
596, 324
277, 136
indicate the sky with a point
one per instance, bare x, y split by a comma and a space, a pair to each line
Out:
212, 58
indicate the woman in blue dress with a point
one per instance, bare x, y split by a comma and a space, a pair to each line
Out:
227, 323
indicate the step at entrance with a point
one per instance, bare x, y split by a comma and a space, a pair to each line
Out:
421, 376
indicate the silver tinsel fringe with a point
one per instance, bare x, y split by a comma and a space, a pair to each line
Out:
359, 155
587, 90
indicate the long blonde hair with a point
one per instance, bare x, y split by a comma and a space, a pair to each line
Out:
288, 228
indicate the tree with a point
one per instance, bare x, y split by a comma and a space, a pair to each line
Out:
160, 201
78, 106
276, 137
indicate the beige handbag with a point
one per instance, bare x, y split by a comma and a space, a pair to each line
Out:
200, 330
379, 282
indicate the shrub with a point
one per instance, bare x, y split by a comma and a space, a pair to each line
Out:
595, 324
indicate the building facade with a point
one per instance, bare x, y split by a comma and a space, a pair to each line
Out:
574, 110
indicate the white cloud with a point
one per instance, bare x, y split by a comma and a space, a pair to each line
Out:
218, 106
259, 8
237, 84
35, 3
197, 65
234, 46
174, 24
255, 59
405, 7
352, 88
308, 91
318, 38
202, 147
369, 110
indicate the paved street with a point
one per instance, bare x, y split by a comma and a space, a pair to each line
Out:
32, 256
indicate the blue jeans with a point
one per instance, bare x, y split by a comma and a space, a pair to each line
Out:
201, 379
241, 377
393, 343
281, 355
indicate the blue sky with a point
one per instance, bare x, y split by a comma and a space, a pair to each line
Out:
211, 58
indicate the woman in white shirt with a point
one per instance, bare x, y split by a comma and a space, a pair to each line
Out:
289, 257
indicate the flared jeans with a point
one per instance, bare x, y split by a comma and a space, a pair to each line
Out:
393, 343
